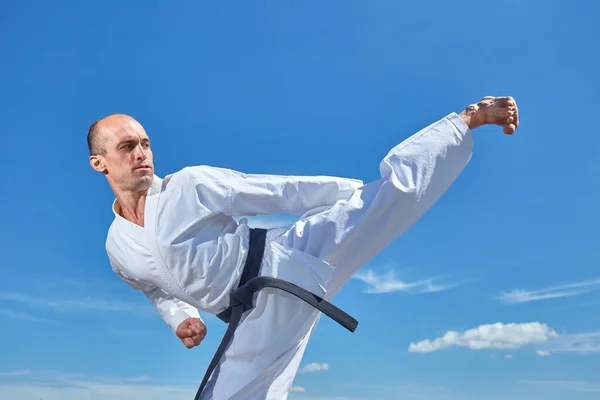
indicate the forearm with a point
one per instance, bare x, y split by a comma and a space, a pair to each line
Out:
172, 310
269, 194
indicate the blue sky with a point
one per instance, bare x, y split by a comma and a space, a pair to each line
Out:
310, 88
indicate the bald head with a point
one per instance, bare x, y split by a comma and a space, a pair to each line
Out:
96, 137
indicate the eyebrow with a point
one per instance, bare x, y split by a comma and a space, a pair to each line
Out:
132, 140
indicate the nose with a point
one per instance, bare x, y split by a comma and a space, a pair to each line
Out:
140, 153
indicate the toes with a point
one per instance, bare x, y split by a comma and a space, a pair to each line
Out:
510, 129
510, 116
515, 118
512, 121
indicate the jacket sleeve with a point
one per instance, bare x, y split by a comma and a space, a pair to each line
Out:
241, 194
172, 310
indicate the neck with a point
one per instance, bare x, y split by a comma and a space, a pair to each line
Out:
130, 205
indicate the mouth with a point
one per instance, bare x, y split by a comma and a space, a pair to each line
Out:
146, 167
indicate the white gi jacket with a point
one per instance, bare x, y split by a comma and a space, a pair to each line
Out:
191, 252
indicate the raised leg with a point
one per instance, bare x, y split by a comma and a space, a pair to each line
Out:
414, 175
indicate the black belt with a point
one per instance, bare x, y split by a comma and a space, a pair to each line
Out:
250, 283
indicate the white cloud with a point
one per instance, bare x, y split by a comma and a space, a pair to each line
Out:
314, 367
387, 283
543, 339
553, 292
573, 386
78, 305
297, 389
508, 356
491, 336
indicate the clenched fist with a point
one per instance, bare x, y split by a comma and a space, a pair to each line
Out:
191, 332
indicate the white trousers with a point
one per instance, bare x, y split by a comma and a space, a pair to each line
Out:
325, 248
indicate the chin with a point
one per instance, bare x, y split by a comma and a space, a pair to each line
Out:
148, 177
144, 182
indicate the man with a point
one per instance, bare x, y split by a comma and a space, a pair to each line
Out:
176, 238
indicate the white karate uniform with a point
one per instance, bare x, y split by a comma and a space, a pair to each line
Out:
191, 251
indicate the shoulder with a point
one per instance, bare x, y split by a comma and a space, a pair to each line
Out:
198, 175
194, 193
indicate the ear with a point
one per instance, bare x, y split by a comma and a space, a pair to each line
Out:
97, 163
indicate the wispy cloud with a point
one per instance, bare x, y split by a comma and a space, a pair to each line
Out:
56, 385
387, 283
303, 397
573, 386
491, 336
63, 378
407, 391
12, 314
14, 373
78, 305
580, 343
539, 336
553, 292
421, 392
314, 367
142, 378
52, 385
95, 391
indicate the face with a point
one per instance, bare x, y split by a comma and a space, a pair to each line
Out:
128, 163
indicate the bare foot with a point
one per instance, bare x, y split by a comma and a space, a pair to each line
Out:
502, 111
